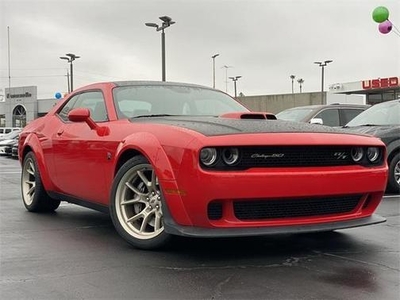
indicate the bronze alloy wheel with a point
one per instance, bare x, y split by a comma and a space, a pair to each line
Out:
28, 180
136, 205
34, 193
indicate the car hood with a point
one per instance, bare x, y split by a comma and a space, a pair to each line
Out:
212, 126
375, 130
6, 142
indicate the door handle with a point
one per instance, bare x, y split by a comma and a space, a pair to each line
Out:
60, 132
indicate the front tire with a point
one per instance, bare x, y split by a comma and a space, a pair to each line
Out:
394, 174
34, 195
136, 205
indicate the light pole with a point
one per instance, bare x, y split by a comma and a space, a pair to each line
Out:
234, 79
213, 58
226, 77
300, 81
292, 77
70, 57
322, 65
167, 21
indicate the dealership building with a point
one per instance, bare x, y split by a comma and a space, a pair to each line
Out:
20, 105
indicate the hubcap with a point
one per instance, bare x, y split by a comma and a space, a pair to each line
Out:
138, 203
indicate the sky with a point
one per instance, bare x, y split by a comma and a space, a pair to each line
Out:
264, 41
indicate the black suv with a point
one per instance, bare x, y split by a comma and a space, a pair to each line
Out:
330, 114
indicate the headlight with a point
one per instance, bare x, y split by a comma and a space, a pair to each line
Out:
230, 156
208, 156
373, 154
357, 154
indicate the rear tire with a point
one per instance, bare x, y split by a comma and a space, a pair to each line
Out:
394, 174
136, 205
34, 195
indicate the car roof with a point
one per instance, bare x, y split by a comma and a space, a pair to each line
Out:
157, 83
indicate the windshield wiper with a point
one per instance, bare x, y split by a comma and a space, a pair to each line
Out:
361, 125
152, 116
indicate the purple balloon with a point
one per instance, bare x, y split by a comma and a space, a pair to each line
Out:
385, 27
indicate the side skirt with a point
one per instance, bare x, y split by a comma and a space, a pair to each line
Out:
80, 202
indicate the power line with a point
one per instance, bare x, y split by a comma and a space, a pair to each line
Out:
34, 76
36, 69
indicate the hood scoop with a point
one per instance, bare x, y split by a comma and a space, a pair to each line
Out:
249, 115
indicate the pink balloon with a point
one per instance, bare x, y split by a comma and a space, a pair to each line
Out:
385, 27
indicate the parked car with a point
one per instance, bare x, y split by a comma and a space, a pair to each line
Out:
7, 148
383, 121
11, 135
14, 150
6, 130
5, 145
330, 115
168, 159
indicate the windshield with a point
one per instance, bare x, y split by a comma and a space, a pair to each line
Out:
294, 114
386, 113
153, 100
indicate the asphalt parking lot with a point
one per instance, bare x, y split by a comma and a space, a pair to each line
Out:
75, 253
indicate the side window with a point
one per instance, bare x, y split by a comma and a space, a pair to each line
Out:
94, 101
330, 117
350, 114
63, 113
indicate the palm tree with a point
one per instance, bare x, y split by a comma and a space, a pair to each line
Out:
292, 77
300, 81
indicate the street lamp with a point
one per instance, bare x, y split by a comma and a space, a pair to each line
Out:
70, 58
300, 81
167, 21
292, 77
234, 79
213, 58
322, 65
226, 77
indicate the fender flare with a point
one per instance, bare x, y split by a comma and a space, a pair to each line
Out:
149, 146
391, 147
32, 141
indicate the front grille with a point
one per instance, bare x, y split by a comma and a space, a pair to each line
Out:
296, 156
292, 208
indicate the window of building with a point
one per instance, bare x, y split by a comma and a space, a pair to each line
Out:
19, 116
2, 120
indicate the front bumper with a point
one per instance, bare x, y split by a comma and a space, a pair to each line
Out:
188, 199
172, 228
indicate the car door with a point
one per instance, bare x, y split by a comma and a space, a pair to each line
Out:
79, 152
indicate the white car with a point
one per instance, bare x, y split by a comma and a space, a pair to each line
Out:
7, 140
7, 130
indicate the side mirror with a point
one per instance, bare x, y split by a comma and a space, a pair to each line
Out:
83, 115
317, 121
79, 115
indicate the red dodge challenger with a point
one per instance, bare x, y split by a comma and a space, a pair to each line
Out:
168, 159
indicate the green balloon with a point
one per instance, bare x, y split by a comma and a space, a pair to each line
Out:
380, 14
